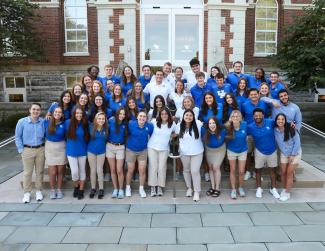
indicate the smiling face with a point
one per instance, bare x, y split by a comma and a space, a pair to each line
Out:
209, 99
253, 95
212, 125
78, 115
99, 101
83, 100
101, 119
77, 90
88, 82
164, 116
109, 71
67, 98
187, 103
229, 99
159, 103
178, 73
280, 121
167, 69
258, 117
121, 115
131, 104
238, 68
284, 98
195, 68
57, 114
188, 117
274, 78
159, 77
142, 118
109, 85
127, 72
179, 87
242, 84
214, 72
146, 72
35, 111
200, 81
235, 117
220, 82
138, 87
94, 72
264, 90
258, 74
117, 90
96, 87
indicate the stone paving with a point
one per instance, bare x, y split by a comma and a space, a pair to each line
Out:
163, 227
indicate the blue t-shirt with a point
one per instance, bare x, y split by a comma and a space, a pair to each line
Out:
115, 105
77, 147
113, 135
97, 145
230, 109
211, 82
220, 92
233, 79
239, 143
115, 78
59, 134
275, 90
142, 105
138, 137
248, 108
66, 112
126, 87
214, 141
197, 93
108, 96
263, 136
256, 83
240, 98
144, 81
204, 118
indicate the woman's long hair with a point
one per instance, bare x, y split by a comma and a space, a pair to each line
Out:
289, 132
170, 118
118, 122
52, 123
95, 108
95, 127
205, 107
129, 111
133, 78
193, 126
92, 94
209, 132
230, 125
133, 94
155, 108
226, 106
61, 103
75, 98
113, 93
246, 87
74, 124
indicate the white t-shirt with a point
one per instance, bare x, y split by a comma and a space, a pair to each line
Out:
153, 90
159, 139
178, 99
191, 80
189, 145
180, 112
169, 80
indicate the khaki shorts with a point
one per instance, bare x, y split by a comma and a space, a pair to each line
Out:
132, 157
262, 159
234, 156
114, 151
250, 144
285, 159
215, 156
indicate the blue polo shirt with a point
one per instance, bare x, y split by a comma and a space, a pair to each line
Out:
204, 118
263, 136
59, 134
144, 81
197, 93
211, 82
233, 79
248, 108
66, 112
77, 147
214, 141
239, 143
97, 145
230, 109
275, 90
138, 137
115, 78
113, 135
115, 105
126, 87
240, 98
142, 105
108, 96
220, 92
256, 83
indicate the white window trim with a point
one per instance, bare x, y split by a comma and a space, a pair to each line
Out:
68, 53
256, 54
14, 90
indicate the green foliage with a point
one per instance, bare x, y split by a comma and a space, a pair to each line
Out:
302, 51
18, 36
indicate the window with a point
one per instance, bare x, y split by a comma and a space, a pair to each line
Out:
266, 27
73, 79
76, 28
15, 82
14, 88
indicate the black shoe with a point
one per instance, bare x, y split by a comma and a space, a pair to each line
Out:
92, 193
80, 194
75, 192
100, 194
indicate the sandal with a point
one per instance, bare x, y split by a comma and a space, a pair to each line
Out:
216, 193
209, 192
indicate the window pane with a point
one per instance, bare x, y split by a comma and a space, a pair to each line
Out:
70, 81
20, 83
157, 37
270, 48
270, 36
71, 35
71, 47
70, 2
260, 36
260, 13
81, 23
82, 47
271, 13
16, 98
259, 48
10, 82
260, 24
70, 24
266, 3
81, 35
81, 12
271, 25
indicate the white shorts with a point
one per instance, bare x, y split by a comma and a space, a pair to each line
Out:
285, 159
234, 156
262, 159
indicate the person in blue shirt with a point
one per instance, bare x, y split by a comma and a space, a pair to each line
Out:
136, 150
179, 72
109, 75
109, 90
275, 85
99, 105
258, 78
213, 136
233, 77
145, 78
87, 84
262, 131
236, 150
116, 100
128, 80
29, 139
83, 102
230, 104
65, 103
55, 151
210, 108
288, 141
96, 153
95, 90
93, 72
77, 134
115, 150
77, 90
214, 70
198, 90
220, 89
142, 99
241, 93
131, 109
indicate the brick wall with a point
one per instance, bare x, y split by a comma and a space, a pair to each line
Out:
225, 43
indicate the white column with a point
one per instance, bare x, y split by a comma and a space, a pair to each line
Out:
238, 30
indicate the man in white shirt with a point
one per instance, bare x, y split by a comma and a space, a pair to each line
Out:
190, 75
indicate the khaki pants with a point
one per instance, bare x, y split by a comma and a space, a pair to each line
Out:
33, 157
96, 163
191, 170
157, 167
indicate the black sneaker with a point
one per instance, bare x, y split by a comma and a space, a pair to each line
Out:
100, 194
75, 192
80, 194
92, 193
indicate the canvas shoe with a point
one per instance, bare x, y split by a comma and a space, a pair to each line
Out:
153, 191
26, 198
52, 195
189, 192
142, 192
59, 194
241, 192
284, 196
196, 196
275, 193
39, 196
128, 191
115, 193
247, 175
159, 191
120, 194
259, 192
233, 194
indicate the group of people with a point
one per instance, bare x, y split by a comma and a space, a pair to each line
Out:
129, 121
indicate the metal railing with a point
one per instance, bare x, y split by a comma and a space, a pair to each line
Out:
7, 141
313, 129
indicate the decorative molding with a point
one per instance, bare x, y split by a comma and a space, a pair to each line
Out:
296, 6
76, 54
52, 4
227, 6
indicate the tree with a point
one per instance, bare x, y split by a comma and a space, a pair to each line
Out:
18, 36
302, 52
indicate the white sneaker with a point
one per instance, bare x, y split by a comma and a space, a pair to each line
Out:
207, 177
284, 196
160, 191
247, 175
275, 193
189, 192
259, 192
26, 198
153, 191
128, 191
196, 196
39, 196
142, 192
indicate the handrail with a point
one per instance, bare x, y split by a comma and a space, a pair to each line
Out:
313, 129
7, 141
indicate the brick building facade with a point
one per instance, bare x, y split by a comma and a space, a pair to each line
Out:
79, 33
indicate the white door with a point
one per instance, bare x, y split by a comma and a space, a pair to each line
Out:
171, 33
